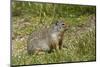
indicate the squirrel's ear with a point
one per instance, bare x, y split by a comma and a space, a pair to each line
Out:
56, 22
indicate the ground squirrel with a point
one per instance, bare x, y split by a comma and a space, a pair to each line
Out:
47, 39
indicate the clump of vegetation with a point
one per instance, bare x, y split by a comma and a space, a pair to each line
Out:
79, 40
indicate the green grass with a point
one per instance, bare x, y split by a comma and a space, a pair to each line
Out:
79, 42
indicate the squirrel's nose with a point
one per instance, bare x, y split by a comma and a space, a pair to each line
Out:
67, 26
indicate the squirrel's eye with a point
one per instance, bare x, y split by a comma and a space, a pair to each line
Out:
63, 24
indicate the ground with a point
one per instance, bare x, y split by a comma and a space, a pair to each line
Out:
79, 40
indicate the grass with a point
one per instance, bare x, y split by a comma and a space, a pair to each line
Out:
79, 41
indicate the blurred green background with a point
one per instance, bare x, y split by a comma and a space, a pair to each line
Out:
79, 40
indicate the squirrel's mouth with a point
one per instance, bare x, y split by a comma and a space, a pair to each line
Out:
66, 28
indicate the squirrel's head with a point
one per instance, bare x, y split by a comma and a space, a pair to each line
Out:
60, 25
